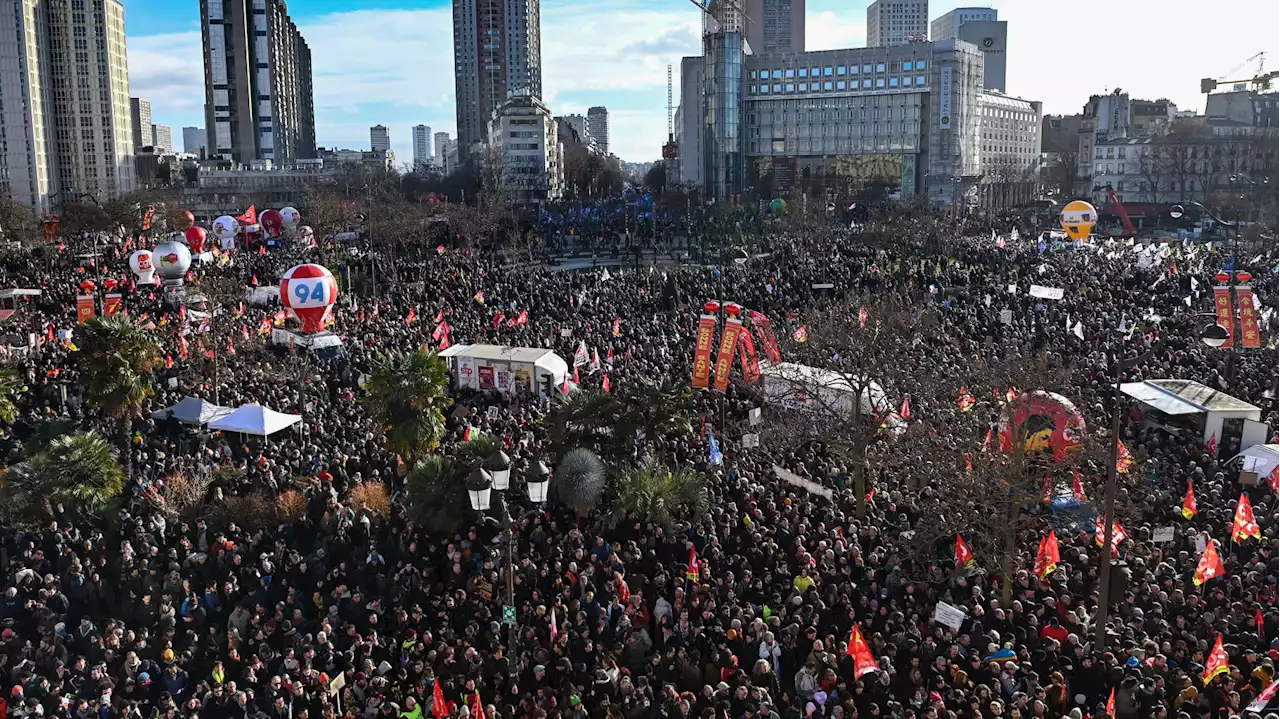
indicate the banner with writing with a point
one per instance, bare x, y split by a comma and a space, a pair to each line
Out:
702, 352
84, 308
1223, 310
111, 305
1250, 338
728, 343
750, 362
768, 342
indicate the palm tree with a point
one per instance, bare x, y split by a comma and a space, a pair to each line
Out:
406, 396
652, 492
116, 362
11, 385
436, 487
613, 423
76, 471
580, 480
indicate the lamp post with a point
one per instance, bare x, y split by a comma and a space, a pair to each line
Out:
495, 473
1104, 577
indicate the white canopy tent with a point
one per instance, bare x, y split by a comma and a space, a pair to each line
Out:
1261, 458
256, 420
192, 410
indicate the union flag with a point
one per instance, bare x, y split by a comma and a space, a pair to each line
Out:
1218, 662
1189, 502
863, 661
1244, 525
1047, 556
964, 556
1210, 565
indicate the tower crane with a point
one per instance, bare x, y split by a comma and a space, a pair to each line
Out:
1260, 82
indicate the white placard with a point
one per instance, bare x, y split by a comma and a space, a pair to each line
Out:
1200, 543
1163, 534
948, 615
566, 332
493, 413
1006, 317
754, 416
796, 480
1012, 289
1046, 293
822, 286
750, 441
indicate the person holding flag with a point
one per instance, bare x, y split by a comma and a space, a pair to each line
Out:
1243, 525
1189, 502
964, 556
1047, 556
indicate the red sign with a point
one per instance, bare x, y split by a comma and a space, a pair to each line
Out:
1249, 335
111, 305
750, 362
702, 352
767, 340
1222, 308
728, 343
84, 308
486, 378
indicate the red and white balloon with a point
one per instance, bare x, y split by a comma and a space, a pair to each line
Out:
291, 218
272, 223
309, 290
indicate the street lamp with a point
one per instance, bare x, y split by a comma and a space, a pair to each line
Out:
479, 484
499, 467
1214, 335
538, 482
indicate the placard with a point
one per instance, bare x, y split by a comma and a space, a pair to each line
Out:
1046, 293
949, 616
1006, 317
1163, 534
754, 416
750, 441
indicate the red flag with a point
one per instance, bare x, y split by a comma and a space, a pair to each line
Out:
1124, 460
444, 343
964, 556
523, 317
575, 375
1243, 525
968, 462
168, 360
479, 296
439, 317
1213, 445
1210, 565
1077, 488
1189, 502
413, 315
986, 443
477, 706
801, 334
254, 280
564, 386
605, 384
693, 570
1047, 556
1274, 479
863, 662
231, 348
617, 326
439, 707
1217, 664
905, 412
498, 317
1111, 704
1261, 621
1118, 535
262, 250
966, 400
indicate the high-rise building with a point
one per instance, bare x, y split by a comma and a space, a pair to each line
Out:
140, 117
497, 51
440, 141
379, 138
947, 26
257, 67
64, 109
193, 140
775, 25
162, 138
897, 22
523, 136
421, 146
598, 123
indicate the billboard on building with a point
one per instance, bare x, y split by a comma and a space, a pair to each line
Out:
944, 99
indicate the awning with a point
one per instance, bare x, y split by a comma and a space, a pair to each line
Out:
192, 410
1175, 397
1261, 458
256, 420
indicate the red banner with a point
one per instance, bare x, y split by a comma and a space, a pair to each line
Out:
50, 229
728, 343
1249, 335
767, 341
111, 305
702, 352
1222, 308
84, 308
750, 362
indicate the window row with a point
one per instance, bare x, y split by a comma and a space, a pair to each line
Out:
879, 83
835, 70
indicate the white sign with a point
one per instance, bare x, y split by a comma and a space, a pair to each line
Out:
750, 441
566, 332
944, 99
1046, 293
1013, 289
949, 616
796, 480
822, 286
1201, 543
1006, 317
1163, 534
754, 416
493, 413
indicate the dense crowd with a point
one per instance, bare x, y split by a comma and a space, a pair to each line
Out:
345, 613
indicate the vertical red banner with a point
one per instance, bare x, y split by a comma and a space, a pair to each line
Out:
750, 362
50, 229
702, 352
1250, 338
111, 305
767, 341
724, 362
1224, 311
84, 308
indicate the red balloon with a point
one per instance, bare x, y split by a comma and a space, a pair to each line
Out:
195, 239
191, 219
272, 222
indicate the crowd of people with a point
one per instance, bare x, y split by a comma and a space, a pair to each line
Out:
342, 612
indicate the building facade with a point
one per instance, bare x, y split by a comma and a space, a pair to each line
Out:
992, 38
193, 141
440, 142
140, 118
162, 138
775, 25
578, 129
497, 55
1009, 151
379, 138
421, 147
897, 22
524, 141
1115, 116
598, 124
947, 26
258, 101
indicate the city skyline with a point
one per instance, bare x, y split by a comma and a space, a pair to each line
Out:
356, 88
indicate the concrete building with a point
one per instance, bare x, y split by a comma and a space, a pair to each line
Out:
947, 26
140, 118
992, 38
65, 113
903, 118
1242, 107
1009, 152
373, 159
523, 139
258, 93
162, 138
598, 123
441, 144
421, 147
579, 129
193, 141
497, 55
775, 25
379, 138
1059, 144
448, 156
1115, 116
897, 22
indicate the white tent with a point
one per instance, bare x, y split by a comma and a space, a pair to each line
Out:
1261, 458
254, 419
192, 410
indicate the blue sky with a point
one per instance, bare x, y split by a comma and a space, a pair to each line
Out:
390, 61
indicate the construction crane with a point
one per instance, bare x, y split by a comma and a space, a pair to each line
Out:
670, 151
1260, 82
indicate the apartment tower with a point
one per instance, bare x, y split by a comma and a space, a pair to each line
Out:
598, 123
497, 46
897, 22
775, 25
